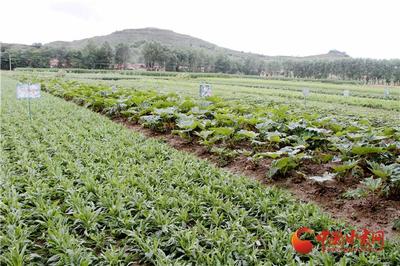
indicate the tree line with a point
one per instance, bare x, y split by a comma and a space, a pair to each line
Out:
157, 56
197, 60
154, 55
91, 56
369, 71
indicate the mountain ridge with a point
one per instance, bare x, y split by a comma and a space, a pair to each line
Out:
135, 38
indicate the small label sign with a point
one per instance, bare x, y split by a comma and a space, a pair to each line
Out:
205, 90
386, 93
306, 92
346, 93
28, 91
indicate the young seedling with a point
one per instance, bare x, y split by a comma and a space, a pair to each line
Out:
370, 187
346, 169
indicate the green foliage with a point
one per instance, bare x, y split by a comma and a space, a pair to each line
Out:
222, 133
346, 68
274, 138
344, 168
396, 225
386, 183
363, 150
154, 53
246, 135
283, 165
370, 187
381, 170
151, 121
240, 128
390, 175
225, 155
272, 155
83, 190
187, 122
122, 53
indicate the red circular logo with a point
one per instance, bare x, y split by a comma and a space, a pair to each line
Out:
301, 246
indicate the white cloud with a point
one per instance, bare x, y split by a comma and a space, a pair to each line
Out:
368, 28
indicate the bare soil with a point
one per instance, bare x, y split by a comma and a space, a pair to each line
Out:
359, 213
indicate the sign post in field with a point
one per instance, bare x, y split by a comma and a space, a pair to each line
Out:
205, 90
386, 93
306, 92
28, 91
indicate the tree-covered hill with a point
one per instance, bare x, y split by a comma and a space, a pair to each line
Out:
136, 38
156, 49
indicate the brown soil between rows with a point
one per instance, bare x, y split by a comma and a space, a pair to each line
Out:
328, 195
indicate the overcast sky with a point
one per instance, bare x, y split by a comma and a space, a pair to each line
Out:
362, 28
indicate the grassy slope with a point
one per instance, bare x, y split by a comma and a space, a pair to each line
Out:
77, 188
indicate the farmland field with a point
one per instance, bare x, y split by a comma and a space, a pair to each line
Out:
78, 188
363, 100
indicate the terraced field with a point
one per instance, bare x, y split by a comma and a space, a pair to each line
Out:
77, 188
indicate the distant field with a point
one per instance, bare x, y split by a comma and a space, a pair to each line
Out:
364, 101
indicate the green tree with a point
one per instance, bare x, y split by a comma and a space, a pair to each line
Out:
104, 56
122, 54
222, 64
154, 53
74, 59
89, 55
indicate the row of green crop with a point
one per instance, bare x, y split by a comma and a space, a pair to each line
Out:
135, 72
366, 92
257, 131
78, 189
188, 74
371, 98
362, 102
246, 81
190, 88
252, 83
302, 83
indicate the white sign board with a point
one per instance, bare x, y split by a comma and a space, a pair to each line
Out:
114, 88
386, 93
28, 91
306, 92
346, 93
205, 90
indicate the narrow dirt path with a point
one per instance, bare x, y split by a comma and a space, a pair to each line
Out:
358, 213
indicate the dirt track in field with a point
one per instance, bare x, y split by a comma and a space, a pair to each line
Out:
328, 195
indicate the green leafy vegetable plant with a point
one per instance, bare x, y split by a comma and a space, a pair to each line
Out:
370, 187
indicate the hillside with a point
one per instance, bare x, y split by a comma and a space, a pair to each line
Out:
332, 54
178, 52
137, 37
